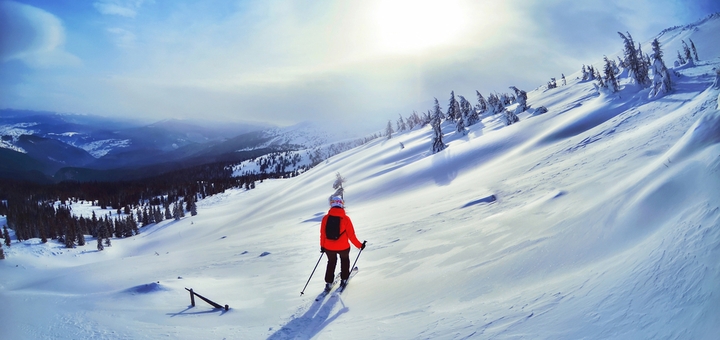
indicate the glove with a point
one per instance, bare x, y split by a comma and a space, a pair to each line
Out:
322, 250
363, 245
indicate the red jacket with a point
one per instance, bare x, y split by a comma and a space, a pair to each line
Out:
347, 232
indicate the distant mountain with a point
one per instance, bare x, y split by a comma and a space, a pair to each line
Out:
85, 147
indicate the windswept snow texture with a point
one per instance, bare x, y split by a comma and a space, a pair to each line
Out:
599, 219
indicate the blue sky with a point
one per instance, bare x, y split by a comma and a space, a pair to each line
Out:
354, 63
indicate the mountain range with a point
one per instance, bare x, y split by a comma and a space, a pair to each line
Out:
48, 146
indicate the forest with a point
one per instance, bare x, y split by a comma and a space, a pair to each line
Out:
44, 211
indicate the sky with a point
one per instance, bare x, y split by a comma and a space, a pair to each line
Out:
351, 63
598, 219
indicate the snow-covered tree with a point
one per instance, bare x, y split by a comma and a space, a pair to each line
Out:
521, 99
634, 61
610, 82
680, 60
438, 144
176, 211
588, 73
644, 65
687, 54
552, 84
481, 106
413, 120
389, 130
694, 50
470, 116
401, 124
338, 184
427, 117
510, 118
100, 246
2, 253
453, 112
495, 104
564, 82
661, 82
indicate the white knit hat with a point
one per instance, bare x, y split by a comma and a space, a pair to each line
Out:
337, 201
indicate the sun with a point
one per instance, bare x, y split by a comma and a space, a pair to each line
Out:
413, 26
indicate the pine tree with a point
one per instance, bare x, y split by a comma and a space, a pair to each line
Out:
70, 237
453, 108
389, 130
436, 122
552, 84
510, 118
481, 106
168, 215
692, 45
610, 81
6, 236
99, 244
495, 104
193, 206
401, 123
688, 55
521, 99
460, 125
661, 82
634, 61
80, 239
338, 185
564, 82
643, 66
176, 211
2, 253
680, 59
469, 115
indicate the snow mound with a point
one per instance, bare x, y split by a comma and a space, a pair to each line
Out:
705, 131
148, 288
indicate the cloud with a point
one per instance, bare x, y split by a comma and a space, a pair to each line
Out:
123, 37
124, 8
33, 36
285, 61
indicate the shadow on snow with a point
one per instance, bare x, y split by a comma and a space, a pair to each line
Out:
311, 322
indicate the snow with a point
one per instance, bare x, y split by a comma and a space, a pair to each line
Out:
598, 219
13, 132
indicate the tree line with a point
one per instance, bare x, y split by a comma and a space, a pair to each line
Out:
634, 64
44, 211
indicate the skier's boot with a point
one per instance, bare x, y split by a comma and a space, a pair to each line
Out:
328, 286
343, 283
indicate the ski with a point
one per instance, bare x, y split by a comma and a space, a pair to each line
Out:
342, 288
327, 291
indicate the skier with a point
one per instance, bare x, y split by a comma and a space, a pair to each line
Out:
336, 231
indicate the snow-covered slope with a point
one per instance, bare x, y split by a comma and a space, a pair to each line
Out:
599, 219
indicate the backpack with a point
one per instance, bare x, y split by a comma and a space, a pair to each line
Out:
332, 228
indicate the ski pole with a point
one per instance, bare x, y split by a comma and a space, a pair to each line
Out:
361, 249
311, 274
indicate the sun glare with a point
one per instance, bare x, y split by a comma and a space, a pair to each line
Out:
412, 26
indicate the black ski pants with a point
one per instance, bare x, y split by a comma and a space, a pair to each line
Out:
332, 262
